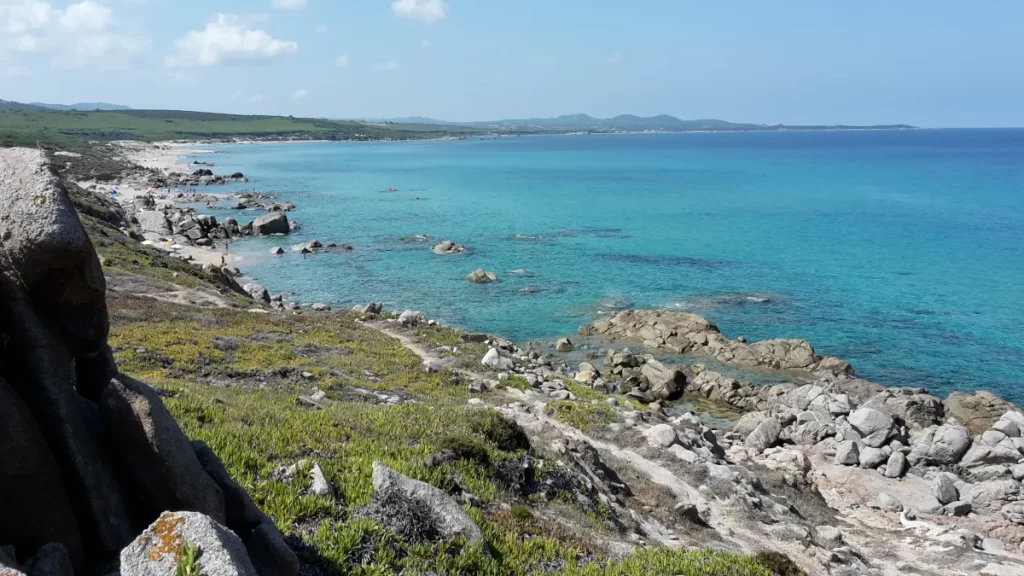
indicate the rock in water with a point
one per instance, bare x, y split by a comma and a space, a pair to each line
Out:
277, 251
451, 520
481, 276
271, 223
156, 551
152, 450
448, 247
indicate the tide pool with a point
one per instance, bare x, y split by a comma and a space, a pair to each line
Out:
900, 251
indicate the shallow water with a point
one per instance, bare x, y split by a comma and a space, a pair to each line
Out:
902, 252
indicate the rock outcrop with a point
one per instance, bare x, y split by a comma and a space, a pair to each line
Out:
447, 248
481, 276
90, 457
682, 332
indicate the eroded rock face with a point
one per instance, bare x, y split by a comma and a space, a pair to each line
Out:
977, 411
31, 489
89, 457
155, 454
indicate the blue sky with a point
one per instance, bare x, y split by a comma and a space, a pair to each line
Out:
924, 62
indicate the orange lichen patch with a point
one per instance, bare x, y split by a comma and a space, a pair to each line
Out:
167, 541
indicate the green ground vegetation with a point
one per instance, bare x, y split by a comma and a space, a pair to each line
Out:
231, 378
28, 127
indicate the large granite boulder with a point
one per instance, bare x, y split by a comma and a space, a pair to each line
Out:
666, 383
915, 407
32, 492
271, 223
941, 446
155, 454
47, 253
873, 423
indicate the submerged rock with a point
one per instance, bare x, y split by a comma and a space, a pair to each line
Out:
448, 247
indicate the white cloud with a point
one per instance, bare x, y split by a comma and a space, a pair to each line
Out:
615, 58
256, 98
228, 40
300, 94
341, 61
387, 66
322, 28
288, 4
425, 43
81, 34
428, 11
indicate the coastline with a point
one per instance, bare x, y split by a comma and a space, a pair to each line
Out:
818, 469
167, 157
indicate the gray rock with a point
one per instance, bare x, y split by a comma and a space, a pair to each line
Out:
154, 453
320, 307
411, 318
563, 345
748, 422
873, 424
661, 435
765, 435
277, 250
451, 520
666, 383
800, 398
828, 537
993, 545
257, 291
271, 223
871, 457
153, 221
53, 297
319, 485
847, 453
943, 489
241, 514
896, 465
1014, 512
494, 359
889, 503
942, 446
155, 551
981, 455
957, 508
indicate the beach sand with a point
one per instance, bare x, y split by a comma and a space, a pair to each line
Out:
165, 157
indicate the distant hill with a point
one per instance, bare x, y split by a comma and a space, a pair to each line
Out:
81, 106
626, 123
8, 105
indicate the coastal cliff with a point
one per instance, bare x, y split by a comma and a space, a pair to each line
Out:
383, 442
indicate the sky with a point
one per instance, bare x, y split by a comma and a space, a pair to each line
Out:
931, 63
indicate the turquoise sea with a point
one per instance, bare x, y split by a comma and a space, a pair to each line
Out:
900, 251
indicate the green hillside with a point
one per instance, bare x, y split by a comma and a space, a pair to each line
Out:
28, 126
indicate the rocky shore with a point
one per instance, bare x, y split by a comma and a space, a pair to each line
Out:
823, 474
